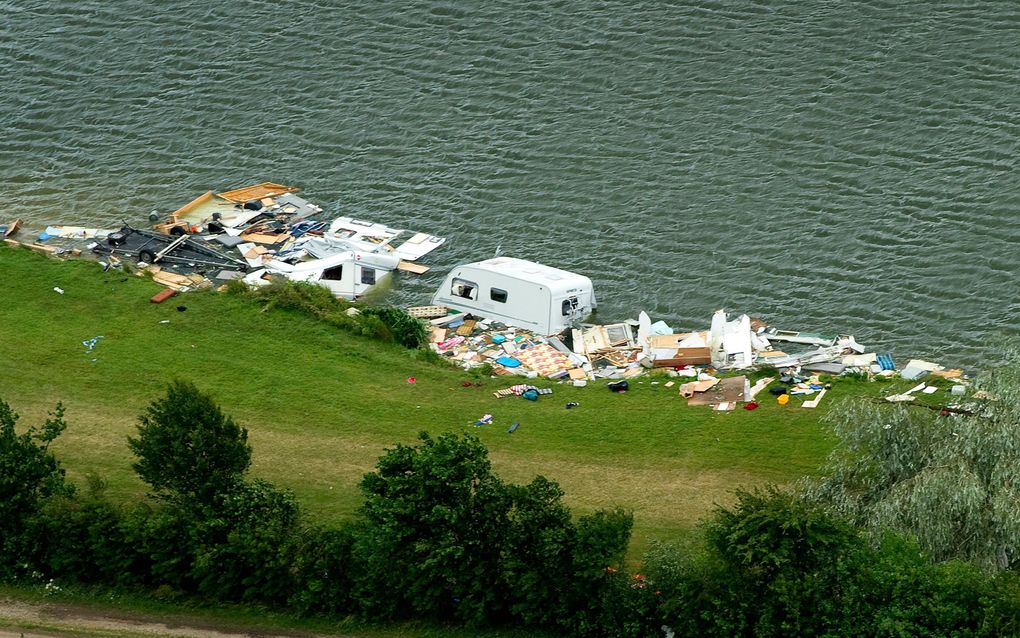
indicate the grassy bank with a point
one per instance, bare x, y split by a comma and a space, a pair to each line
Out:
321, 405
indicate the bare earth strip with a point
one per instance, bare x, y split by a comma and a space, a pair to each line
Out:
45, 620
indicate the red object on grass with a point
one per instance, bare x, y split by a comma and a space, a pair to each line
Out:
751, 405
162, 295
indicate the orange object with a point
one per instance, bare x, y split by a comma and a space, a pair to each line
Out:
162, 295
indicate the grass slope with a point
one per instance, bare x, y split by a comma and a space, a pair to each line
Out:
322, 405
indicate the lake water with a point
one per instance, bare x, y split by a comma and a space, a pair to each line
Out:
825, 165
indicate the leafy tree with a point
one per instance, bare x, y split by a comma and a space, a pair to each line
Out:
538, 561
324, 568
444, 538
952, 481
189, 451
29, 473
771, 565
435, 518
244, 551
84, 537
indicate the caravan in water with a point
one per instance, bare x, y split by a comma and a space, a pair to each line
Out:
518, 293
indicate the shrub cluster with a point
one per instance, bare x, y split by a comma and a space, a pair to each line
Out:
441, 538
378, 322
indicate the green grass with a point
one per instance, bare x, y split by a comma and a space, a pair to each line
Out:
322, 405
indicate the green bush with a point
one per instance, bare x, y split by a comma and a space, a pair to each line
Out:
384, 323
244, 547
187, 450
406, 330
324, 571
86, 539
29, 474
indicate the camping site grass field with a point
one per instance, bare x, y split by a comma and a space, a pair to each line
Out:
321, 405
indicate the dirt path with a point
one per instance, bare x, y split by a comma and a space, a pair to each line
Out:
60, 620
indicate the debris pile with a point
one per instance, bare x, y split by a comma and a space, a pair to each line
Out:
253, 233
709, 358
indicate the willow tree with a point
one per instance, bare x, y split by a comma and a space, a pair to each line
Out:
950, 480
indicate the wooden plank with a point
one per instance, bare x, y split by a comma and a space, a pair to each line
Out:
686, 357
416, 269
174, 244
259, 238
171, 279
442, 321
45, 250
814, 403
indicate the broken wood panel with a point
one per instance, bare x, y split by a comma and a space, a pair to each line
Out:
12, 228
256, 191
190, 206
686, 357
260, 238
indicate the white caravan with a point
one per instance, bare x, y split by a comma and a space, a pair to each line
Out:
518, 293
349, 274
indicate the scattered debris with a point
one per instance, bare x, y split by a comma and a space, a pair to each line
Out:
518, 317
6, 230
264, 227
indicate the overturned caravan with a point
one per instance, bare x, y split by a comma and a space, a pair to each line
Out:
518, 293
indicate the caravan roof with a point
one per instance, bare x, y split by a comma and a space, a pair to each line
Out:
554, 278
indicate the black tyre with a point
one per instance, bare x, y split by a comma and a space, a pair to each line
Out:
177, 231
147, 256
116, 238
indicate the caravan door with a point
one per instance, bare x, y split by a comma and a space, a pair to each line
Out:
572, 308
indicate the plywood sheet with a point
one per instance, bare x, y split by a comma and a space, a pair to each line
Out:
256, 191
729, 390
414, 269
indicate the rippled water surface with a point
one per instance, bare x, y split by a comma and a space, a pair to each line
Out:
826, 165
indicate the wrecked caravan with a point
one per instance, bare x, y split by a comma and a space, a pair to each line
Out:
518, 293
349, 274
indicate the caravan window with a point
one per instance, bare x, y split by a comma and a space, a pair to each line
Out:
464, 289
336, 273
497, 295
569, 305
368, 276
